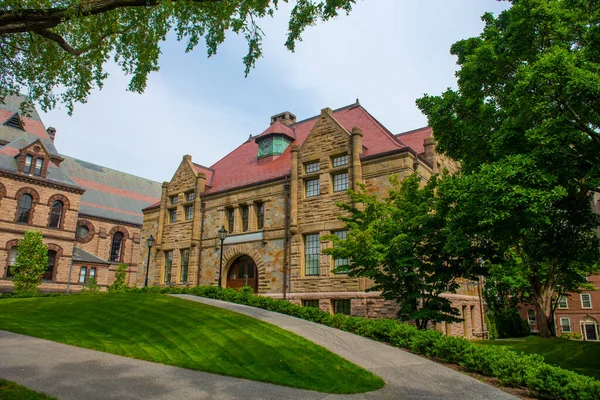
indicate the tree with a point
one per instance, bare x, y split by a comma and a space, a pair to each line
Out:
45, 44
31, 262
400, 242
525, 125
120, 276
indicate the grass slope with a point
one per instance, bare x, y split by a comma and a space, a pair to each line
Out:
186, 334
10, 390
578, 356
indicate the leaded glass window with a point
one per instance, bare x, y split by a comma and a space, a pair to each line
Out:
173, 215
56, 214
341, 307
168, 265
189, 213
230, 219
260, 215
312, 251
313, 187
312, 167
116, 248
310, 303
341, 265
340, 182
185, 260
245, 213
340, 161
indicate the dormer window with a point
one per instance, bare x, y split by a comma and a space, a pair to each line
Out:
272, 145
38, 167
15, 122
28, 162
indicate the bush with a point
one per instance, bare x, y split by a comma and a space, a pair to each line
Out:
90, 287
490, 323
119, 284
509, 324
511, 368
571, 335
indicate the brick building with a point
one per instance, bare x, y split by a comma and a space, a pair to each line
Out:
576, 312
90, 216
275, 194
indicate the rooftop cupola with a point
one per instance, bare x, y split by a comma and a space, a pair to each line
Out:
286, 118
274, 140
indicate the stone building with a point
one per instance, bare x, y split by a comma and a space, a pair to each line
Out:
275, 195
90, 216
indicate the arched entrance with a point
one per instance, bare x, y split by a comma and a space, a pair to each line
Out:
243, 272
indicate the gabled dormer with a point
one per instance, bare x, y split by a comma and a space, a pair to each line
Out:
33, 160
15, 122
277, 137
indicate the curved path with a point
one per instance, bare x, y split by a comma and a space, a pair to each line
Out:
69, 372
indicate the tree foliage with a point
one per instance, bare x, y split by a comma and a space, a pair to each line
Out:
31, 262
400, 242
525, 124
120, 279
47, 44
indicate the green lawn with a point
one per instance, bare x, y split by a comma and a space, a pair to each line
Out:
187, 334
11, 391
578, 356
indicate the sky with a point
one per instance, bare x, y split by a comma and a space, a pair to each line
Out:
386, 53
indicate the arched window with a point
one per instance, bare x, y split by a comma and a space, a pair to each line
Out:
50, 267
116, 248
12, 260
24, 212
56, 214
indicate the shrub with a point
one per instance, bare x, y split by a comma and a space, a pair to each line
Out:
119, 284
509, 324
490, 323
571, 335
90, 287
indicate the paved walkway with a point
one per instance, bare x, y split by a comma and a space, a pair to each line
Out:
69, 372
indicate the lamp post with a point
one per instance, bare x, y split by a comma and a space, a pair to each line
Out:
222, 233
149, 243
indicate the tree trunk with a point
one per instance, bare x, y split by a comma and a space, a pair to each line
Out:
542, 300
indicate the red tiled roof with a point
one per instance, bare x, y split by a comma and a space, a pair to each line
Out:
30, 125
207, 171
241, 167
9, 151
113, 190
414, 139
278, 127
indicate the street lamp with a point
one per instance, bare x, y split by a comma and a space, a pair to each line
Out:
222, 233
149, 243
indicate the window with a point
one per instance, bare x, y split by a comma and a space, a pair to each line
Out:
84, 277
82, 231
339, 161
230, 219
244, 218
341, 262
312, 250
189, 213
532, 318
341, 307
562, 302
260, 215
27, 166
340, 182
173, 200
12, 260
38, 167
185, 260
168, 265
173, 215
56, 214
116, 247
310, 303
565, 325
50, 266
25, 204
312, 167
190, 196
313, 187
586, 300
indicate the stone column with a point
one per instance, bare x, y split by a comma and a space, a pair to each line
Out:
294, 189
252, 225
429, 145
200, 184
163, 212
357, 140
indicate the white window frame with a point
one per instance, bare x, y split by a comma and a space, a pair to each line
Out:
568, 324
589, 296
534, 321
566, 303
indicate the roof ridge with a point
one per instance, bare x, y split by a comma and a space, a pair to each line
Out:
344, 108
112, 169
203, 166
390, 135
412, 131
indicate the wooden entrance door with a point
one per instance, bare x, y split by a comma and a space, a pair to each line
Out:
243, 272
590, 331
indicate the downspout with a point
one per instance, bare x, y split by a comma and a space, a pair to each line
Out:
202, 210
286, 241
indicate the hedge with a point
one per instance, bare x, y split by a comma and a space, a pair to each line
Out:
509, 367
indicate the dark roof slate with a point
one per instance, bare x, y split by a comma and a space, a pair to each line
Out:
80, 255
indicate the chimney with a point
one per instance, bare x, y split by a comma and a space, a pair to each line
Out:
286, 118
51, 132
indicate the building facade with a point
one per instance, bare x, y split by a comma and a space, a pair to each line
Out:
90, 216
276, 196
